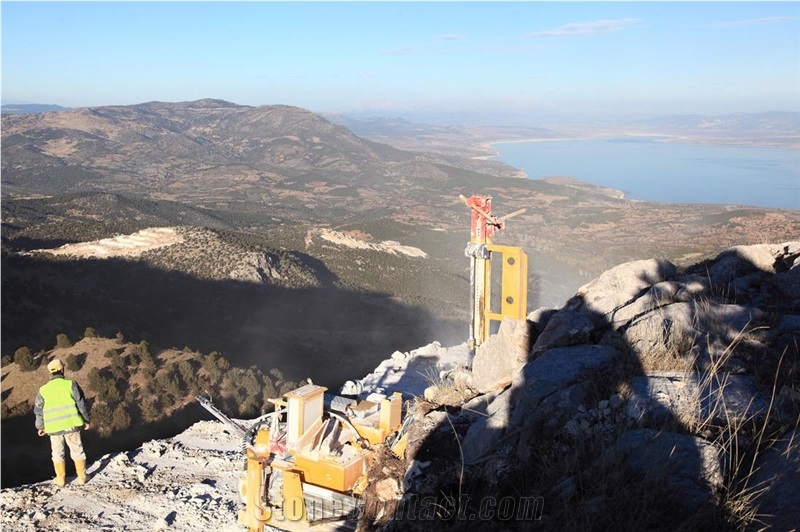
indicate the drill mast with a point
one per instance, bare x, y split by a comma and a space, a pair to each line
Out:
513, 272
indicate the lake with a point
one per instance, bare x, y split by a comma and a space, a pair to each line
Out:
652, 170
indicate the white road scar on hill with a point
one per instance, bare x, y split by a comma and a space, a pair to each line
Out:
347, 240
120, 246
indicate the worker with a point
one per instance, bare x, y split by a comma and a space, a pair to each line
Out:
61, 412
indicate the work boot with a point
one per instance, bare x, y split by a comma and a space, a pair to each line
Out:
61, 473
80, 469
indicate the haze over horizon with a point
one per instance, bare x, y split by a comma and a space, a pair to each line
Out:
501, 61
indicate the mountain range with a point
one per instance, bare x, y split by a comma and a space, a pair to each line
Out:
776, 122
273, 175
27, 108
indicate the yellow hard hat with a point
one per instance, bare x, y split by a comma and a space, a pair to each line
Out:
55, 366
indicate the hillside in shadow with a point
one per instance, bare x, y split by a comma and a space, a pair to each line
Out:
325, 333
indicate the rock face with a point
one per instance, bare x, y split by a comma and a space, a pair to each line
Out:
641, 403
555, 370
501, 355
619, 286
688, 465
698, 397
776, 482
256, 268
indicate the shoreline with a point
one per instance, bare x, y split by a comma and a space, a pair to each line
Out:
700, 141
489, 146
781, 157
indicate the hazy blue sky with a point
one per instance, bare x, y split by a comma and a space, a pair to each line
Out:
526, 58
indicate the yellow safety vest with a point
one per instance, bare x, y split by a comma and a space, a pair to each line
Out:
60, 412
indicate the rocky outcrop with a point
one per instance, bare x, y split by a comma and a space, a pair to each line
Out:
775, 481
501, 355
641, 403
623, 284
256, 268
686, 464
696, 397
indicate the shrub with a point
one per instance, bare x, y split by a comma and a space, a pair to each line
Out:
96, 381
169, 385
268, 390
146, 359
277, 374
75, 362
215, 365
90, 333
210, 364
111, 393
143, 350
151, 407
188, 375
249, 407
62, 341
250, 383
102, 417
119, 368
148, 372
19, 409
120, 419
25, 359
105, 387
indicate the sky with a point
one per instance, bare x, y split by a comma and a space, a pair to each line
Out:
505, 59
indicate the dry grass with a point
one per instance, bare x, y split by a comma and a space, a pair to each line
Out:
743, 439
639, 504
452, 389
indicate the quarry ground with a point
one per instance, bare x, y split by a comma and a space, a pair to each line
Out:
189, 482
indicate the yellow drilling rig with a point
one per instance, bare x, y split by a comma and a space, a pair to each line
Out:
307, 460
484, 255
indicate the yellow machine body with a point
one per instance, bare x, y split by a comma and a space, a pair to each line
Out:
513, 286
308, 472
